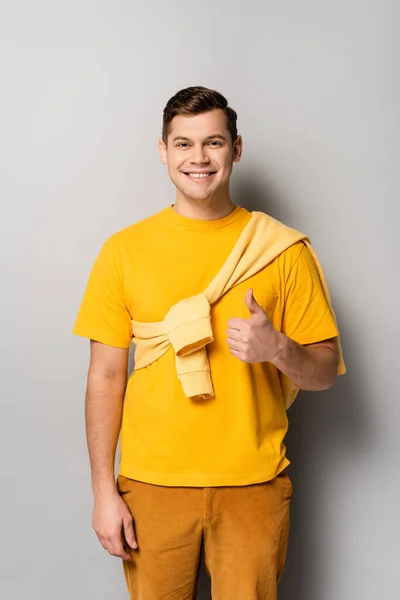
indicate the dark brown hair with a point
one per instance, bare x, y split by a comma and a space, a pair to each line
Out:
195, 100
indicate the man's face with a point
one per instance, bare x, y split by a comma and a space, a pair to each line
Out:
200, 155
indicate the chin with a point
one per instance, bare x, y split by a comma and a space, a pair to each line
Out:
198, 198
192, 195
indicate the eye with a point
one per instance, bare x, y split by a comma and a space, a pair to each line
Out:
182, 144
215, 142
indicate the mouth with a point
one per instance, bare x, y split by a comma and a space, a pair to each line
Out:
199, 177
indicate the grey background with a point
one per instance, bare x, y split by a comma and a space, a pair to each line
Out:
83, 85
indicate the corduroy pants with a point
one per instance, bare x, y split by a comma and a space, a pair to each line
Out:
244, 531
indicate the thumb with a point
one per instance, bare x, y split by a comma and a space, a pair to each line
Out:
252, 304
130, 534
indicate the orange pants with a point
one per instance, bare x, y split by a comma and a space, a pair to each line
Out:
244, 531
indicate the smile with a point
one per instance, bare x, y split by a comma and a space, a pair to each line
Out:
199, 176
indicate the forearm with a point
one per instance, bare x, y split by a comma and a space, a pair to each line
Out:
104, 402
310, 368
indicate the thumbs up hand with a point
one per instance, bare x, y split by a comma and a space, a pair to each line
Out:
255, 339
253, 306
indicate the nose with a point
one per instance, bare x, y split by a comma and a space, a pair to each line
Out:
199, 155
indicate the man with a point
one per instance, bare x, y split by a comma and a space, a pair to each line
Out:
206, 470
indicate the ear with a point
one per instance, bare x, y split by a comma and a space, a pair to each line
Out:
162, 148
237, 148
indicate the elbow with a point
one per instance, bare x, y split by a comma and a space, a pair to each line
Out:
327, 373
332, 375
329, 383
320, 385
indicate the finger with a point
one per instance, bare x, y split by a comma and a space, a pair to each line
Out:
234, 344
236, 354
129, 534
104, 543
252, 303
107, 545
235, 334
118, 548
236, 323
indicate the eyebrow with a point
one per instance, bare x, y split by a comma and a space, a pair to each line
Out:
218, 136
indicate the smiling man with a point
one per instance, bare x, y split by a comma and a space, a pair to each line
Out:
230, 316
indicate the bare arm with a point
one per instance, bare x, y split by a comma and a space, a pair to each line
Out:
106, 386
254, 340
312, 367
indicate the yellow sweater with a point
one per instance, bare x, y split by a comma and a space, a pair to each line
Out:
187, 325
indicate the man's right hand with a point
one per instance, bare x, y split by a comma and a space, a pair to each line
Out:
113, 522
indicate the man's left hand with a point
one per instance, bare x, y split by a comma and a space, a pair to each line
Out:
255, 339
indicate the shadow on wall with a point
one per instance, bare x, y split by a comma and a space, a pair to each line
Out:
331, 424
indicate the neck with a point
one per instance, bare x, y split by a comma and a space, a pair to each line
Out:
203, 210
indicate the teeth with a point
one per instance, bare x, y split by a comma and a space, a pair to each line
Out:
198, 174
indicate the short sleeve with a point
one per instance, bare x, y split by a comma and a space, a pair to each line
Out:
103, 315
307, 317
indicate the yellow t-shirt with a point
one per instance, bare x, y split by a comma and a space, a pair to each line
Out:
236, 437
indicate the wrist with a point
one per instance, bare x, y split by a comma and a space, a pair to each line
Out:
280, 351
104, 486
